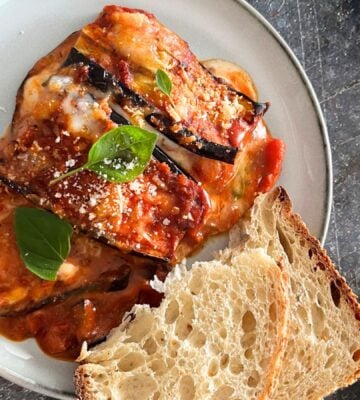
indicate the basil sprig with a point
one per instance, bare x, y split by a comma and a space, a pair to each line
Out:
163, 82
120, 155
43, 240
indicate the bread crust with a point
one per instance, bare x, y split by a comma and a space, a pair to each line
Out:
80, 384
324, 261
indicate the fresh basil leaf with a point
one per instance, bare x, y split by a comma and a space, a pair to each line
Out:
163, 82
120, 155
43, 240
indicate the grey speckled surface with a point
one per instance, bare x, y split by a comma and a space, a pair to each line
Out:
325, 36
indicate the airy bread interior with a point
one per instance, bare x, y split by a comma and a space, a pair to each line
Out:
323, 350
218, 334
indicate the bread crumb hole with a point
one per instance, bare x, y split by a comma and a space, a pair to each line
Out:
187, 388
234, 295
236, 314
304, 318
253, 379
183, 328
215, 349
264, 362
150, 346
197, 339
160, 338
139, 327
159, 367
235, 366
130, 362
285, 243
143, 385
156, 396
356, 355
248, 322
250, 294
213, 286
273, 312
222, 332
224, 361
196, 282
223, 393
248, 354
248, 340
213, 368
172, 312
318, 318
309, 393
310, 252
335, 293
170, 363
330, 362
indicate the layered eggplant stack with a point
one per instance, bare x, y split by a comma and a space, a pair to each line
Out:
212, 157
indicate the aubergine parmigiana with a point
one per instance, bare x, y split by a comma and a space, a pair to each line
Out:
212, 158
79, 305
57, 119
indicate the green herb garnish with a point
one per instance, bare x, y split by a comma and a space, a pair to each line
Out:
43, 240
163, 82
120, 155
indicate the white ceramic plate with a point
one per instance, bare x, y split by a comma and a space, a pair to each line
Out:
226, 29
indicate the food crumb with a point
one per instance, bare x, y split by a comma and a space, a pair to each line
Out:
92, 216
70, 163
92, 202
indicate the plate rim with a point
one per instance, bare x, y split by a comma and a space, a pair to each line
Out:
64, 395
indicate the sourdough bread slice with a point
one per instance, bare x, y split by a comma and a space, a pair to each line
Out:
218, 334
323, 350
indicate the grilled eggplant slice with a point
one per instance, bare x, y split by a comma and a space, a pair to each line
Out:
93, 278
104, 81
57, 120
132, 45
90, 264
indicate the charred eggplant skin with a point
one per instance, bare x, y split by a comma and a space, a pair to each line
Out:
103, 284
23, 190
259, 108
191, 141
104, 81
161, 156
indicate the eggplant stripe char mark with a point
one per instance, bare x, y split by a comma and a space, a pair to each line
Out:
104, 81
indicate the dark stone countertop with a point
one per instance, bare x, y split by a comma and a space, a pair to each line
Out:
325, 36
